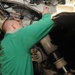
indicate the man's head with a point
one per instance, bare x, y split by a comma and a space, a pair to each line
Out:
11, 25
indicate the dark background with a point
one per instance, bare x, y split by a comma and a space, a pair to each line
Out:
63, 35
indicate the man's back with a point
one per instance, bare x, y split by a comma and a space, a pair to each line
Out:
14, 59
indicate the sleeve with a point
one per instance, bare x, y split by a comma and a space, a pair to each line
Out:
36, 31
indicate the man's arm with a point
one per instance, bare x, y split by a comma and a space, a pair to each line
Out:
38, 30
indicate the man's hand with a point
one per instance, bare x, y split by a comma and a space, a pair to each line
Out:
45, 10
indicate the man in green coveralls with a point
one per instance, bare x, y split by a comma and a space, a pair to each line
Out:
15, 57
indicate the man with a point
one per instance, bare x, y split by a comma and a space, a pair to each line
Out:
15, 57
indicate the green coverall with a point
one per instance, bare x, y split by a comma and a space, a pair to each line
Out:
15, 57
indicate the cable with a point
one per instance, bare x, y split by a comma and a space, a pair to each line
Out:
22, 11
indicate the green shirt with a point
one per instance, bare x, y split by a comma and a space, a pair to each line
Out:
15, 57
